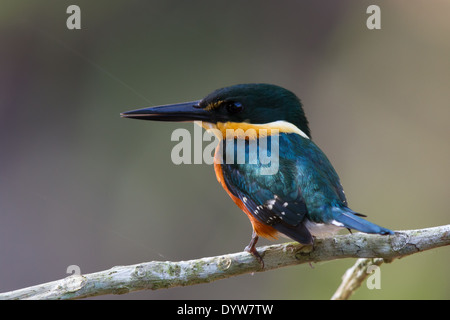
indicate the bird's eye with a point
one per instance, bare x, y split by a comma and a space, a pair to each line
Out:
234, 107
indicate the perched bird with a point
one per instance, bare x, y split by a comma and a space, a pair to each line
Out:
302, 196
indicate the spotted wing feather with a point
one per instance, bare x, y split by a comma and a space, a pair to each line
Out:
267, 203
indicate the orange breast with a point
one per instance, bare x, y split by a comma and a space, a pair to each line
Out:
260, 228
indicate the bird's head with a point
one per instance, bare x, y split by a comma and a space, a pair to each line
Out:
242, 104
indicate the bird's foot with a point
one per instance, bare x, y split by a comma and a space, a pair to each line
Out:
251, 248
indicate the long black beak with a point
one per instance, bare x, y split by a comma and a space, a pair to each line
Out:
186, 111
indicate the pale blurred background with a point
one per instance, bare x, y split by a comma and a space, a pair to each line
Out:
81, 186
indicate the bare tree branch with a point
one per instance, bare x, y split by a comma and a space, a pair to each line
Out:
166, 274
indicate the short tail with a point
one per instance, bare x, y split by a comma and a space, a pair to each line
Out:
347, 218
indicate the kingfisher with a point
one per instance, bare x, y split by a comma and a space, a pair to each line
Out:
297, 193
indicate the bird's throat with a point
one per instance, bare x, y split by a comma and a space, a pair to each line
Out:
244, 130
